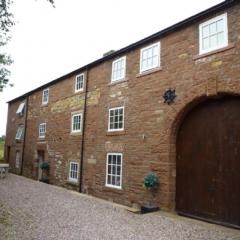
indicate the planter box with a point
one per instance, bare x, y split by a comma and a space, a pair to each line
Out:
149, 208
44, 180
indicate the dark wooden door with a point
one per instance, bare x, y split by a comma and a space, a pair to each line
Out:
208, 162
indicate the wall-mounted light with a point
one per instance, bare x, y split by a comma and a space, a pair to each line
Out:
169, 96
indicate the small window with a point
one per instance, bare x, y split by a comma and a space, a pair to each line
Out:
118, 69
17, 160
45, 96
79, 83
76, 122
20, 110
42, 130
73, 172
19, 134
213, 34
150, 57
114, 170
116, 119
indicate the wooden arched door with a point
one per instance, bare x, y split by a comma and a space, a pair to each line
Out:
208, 162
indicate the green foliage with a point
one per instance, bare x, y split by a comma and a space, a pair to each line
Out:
1, 150
44, 165
151, 181
6, 22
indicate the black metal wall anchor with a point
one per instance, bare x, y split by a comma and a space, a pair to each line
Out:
169, 96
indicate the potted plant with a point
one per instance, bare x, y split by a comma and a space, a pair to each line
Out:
151, 182
45, 171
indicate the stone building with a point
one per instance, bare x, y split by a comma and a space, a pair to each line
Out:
103, 127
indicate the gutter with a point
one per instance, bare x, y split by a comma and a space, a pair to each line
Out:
83, 132
24, 137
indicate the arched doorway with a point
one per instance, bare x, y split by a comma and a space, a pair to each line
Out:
208, 162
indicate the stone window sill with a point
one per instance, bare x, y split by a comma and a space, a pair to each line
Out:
72, 183
112, 189
199, 56
76, 133
44, 104
41, 140
79, 91
115, 133
118, 82
149, 72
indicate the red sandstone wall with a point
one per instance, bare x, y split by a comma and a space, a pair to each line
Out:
148, 140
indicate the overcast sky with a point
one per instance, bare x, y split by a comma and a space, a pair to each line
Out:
49, 42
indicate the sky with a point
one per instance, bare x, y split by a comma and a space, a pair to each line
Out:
50, 42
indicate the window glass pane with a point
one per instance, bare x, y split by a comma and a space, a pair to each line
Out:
114, 171
155, 51
213, 28
113, 180
119, 160
213, 41
109, 168
144, 64
155, 60
118, 170
220, 38
220, 25
116, 118
118, 183
205, 43
109, 179
144, 54
121, 111
114, 159
109, 159
205, 31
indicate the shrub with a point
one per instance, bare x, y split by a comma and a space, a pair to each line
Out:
151, 181
44, 165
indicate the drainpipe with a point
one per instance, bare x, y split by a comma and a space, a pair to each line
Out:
24, 135
83, 132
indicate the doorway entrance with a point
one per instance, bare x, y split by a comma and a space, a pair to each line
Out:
40, 154
208, 162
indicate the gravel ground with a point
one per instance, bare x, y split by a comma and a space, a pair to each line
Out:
34, 210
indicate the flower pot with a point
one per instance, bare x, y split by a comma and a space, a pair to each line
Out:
149, 208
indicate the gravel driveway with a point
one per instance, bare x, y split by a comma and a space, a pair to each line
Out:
34, 210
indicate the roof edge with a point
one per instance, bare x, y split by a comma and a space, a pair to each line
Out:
223, 5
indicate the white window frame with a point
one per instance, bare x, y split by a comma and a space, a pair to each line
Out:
115, 129
70, 179
20, 109
72, 121
76, 82
42, 134
19, 133
225, 30
158, 44
113, 69
106, 181
45, 101
17, 159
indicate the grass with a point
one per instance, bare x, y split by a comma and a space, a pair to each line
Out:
1, 150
